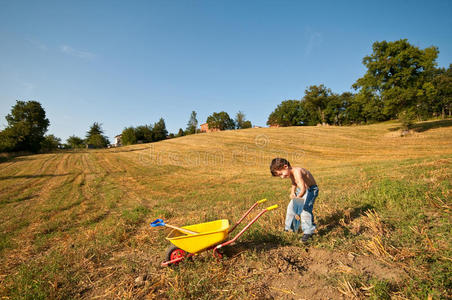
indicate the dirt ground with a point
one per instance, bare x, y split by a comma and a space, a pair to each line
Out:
292, 272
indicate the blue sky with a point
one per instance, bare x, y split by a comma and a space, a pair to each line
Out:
128, 63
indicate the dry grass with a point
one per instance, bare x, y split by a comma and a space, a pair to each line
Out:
75, 225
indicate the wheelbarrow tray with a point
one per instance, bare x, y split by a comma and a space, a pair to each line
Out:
209, 234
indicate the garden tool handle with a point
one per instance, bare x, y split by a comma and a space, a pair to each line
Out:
160, 222
181, 229
262, 200
272, 207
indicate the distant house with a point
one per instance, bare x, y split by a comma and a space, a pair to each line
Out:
118, 140
205, 128
274, 125
255, 126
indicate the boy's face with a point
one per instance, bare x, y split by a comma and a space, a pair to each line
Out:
284, 172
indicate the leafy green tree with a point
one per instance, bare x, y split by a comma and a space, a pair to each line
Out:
128, 136
396, 76
159, 130
241, 122
220, 121
316, 101
74, 142
144, 133
288, 113
95, 136
27, 124
8, 140
50, 143
346, 99
442, 103
192, 124
247, 124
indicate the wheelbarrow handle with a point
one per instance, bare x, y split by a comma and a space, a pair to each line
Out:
272, 207
246, 227
247, 212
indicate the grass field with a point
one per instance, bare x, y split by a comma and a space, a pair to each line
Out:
76, 224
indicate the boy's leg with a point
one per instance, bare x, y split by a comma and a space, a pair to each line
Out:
307, 217
297, 204
290, 214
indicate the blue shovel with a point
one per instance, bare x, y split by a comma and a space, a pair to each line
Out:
159, 222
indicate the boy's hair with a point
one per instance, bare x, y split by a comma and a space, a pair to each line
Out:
278, 164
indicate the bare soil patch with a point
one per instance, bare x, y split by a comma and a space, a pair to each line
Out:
292, 272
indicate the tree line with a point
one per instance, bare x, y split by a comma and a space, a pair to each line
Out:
222, 121
401, 81
27, 125
145, 133
157, 132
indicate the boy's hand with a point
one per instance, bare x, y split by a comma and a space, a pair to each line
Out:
293, 195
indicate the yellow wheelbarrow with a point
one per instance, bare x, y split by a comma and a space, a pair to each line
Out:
190, 240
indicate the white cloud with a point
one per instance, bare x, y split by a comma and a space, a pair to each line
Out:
314, 40
77, 53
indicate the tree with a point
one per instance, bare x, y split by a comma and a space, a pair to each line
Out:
8, 141
396, 76
128, 136
241, 122
288, 113
316, 101
247, 124
239, 119
180, 133
159, 131
27, 124
95, 136
50, 143
74, 142
220, 121
192, 124
144, 133
443, 92
346, 99
334, 110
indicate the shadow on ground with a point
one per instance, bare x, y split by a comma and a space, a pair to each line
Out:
260, 242
425, 126
34, 176
332, 221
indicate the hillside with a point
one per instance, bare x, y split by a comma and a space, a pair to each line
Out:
76, 224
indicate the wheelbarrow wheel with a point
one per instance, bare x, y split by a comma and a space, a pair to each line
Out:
174, 252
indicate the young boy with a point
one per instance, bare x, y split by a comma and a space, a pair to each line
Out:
303, 193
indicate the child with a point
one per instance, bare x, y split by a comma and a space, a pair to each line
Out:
303, 193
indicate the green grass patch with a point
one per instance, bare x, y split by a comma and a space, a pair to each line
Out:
136, 215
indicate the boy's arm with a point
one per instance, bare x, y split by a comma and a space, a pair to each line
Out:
292, 190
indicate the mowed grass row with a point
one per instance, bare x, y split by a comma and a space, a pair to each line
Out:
77, 224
